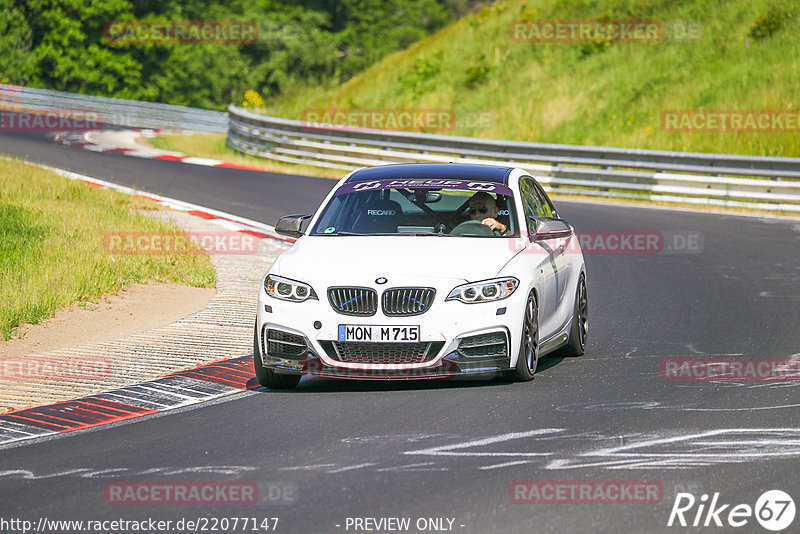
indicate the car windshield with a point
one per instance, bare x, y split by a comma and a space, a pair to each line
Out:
419, 207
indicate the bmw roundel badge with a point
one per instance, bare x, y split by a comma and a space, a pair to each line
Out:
381, 280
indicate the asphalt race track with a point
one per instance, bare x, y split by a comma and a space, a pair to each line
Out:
333, 450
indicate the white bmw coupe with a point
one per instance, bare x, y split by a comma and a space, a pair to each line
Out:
423, 271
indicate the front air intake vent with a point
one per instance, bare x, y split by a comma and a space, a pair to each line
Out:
382, 353
492, 345
280, 343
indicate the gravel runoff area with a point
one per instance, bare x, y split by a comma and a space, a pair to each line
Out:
223, 329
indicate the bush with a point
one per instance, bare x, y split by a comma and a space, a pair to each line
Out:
422, 71
769, 23
477, 72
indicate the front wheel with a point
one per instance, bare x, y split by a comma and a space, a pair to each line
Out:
267, 377
576, 345
528, 357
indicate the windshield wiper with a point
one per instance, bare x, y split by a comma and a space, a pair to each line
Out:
386, 234
342, 233
438, 234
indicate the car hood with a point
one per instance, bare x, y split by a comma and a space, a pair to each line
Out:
406, 257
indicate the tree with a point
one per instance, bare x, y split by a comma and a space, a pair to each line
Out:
17, 64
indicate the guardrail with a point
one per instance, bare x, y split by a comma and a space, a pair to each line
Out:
757, 182
113, 111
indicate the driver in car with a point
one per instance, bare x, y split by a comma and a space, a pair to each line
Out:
483, 208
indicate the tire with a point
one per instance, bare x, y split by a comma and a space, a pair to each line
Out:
576, 345
267, 377
528, 357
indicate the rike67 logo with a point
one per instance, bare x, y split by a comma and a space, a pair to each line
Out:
774, 510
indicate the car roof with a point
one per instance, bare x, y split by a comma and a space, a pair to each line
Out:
442, 171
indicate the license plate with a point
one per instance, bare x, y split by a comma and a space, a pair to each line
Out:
379, 333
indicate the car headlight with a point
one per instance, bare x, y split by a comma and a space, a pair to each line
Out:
286, 289
487, 290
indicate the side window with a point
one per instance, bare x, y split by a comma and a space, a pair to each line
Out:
546, 208
530, 203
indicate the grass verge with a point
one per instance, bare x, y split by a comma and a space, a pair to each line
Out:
52, 245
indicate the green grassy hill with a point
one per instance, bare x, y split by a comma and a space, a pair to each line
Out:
744, 55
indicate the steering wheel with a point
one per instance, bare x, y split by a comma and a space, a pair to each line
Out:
474, 228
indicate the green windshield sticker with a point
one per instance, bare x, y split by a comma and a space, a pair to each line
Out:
329, 230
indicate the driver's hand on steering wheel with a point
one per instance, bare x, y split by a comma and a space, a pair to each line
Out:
494, 225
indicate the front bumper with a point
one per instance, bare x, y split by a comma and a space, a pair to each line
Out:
445, 370
456, 339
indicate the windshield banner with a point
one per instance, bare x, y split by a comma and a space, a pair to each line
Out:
424, 183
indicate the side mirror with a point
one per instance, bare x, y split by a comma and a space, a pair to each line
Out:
550, 228
291, 225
